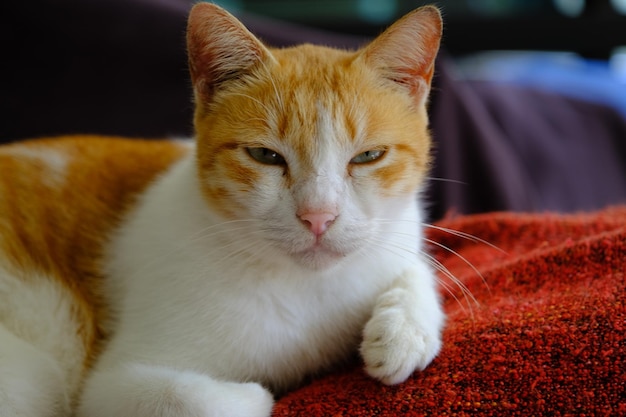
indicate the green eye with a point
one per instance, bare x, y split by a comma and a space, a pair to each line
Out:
367, 156
266, 156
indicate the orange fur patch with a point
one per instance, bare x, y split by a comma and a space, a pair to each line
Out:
60, 199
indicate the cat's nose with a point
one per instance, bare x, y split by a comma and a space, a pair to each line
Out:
317, 222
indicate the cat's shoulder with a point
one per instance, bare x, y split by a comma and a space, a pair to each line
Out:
89, 159
64, 193
78, 179
80, 148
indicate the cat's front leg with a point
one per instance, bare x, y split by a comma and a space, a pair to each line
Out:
151, 391
404, 333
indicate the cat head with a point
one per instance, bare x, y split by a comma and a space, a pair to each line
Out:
319, 147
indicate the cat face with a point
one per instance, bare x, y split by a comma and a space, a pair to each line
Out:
318, 148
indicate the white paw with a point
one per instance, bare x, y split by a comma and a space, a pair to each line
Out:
218, 399
247, 400
227, 399
144, 391
400, 337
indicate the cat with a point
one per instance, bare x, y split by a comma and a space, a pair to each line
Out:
179, 278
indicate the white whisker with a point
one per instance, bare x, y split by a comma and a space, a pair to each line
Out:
465, 291
467, 294
200, 233
453, 232
446, 180
249, 247
456, 233
391, 247
461, 257
193, 239
383, 243
464, 235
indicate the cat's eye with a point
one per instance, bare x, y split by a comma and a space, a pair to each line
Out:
266, 156
367, 156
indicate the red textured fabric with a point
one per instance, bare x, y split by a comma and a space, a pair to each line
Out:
546, 338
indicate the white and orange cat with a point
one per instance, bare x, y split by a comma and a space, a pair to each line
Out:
144, 279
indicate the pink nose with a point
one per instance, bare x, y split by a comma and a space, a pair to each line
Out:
317, 222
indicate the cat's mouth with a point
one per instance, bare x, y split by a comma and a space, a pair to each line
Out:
315, 252
318, 256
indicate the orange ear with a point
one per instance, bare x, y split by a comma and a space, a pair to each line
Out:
406, 51
220, 48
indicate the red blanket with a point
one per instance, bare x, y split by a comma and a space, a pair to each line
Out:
546, 334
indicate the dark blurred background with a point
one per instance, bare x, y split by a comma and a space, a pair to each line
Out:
593, 28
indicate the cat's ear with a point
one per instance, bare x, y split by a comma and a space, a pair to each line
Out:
405, 52
220, 48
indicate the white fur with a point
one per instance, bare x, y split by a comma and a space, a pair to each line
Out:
31, 381
41, 354
203, 303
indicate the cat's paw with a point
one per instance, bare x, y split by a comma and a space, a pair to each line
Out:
400, 338
144, 391
226, 399
238, 400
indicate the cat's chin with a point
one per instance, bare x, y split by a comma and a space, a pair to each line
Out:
318, 257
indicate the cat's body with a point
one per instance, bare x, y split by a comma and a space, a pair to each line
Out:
165, 278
